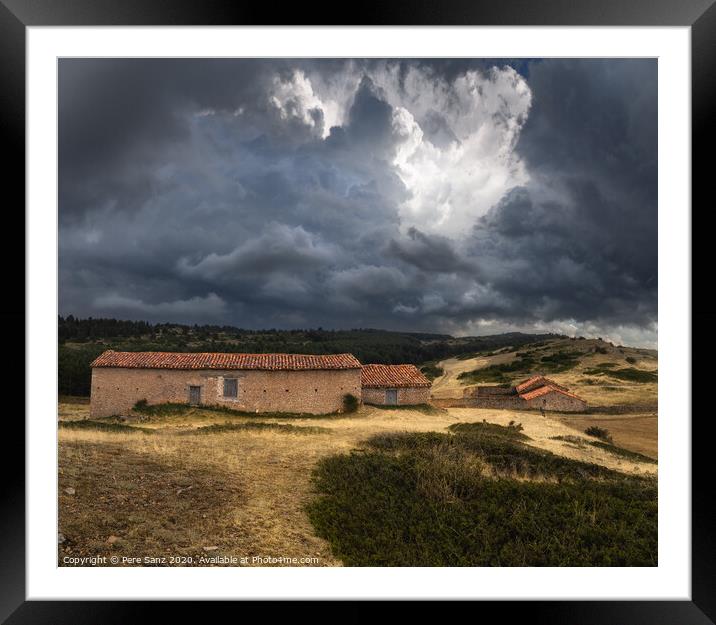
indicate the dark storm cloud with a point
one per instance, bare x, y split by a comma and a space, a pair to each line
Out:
431, 253
227, 191
580, 241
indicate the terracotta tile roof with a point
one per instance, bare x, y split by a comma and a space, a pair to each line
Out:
549, 388
543, 381
208, 360
392, 376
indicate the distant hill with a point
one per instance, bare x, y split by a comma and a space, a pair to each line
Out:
82, 340
600, 372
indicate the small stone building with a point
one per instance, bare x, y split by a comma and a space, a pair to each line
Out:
536, 381
535, 393
249, 382
394, 385
550, 397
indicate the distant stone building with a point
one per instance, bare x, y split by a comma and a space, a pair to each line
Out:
535, 393
248, 382
394, 385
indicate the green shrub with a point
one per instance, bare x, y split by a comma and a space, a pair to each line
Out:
350, 403
628, 374
432, 371
141, 405
427, 499
631, 360
634, 375
597, 432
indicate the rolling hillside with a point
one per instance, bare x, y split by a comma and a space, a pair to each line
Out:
602, 373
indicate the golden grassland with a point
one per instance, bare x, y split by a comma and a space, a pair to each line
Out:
175, 492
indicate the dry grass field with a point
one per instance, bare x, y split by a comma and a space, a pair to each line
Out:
634, 429
637, 432
170, 490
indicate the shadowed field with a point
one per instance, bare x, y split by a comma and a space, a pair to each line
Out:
194, 482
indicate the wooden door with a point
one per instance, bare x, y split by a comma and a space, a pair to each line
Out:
391, 397
195, 395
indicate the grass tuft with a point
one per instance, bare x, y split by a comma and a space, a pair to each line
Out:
103, 426
220, 428
173, 410
424, 408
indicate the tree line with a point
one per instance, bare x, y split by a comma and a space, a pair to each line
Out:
82, 340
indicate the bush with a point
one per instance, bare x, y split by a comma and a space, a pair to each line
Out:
631, 360
426, 499
431, 371
141, 405
597, 432
350, 403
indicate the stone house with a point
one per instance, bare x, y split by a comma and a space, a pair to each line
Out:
535, 393
550, 397
394, 385
297, 383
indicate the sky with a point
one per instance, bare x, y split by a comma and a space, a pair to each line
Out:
464, 196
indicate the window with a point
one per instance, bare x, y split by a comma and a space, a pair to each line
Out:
231, 387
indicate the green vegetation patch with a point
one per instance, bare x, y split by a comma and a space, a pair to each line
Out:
431, 371
103, 426
350, 403
628, 374
429, 499
560, 361
597, 432
220, 428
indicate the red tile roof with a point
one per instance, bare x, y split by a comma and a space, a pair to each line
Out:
378, 376
268, 362
529, 382
544, 390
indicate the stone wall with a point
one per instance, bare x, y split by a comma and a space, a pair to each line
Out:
406, 396
500, 402
557, 402
116, 390
487, 391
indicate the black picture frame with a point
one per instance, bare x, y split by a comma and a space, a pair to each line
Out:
17, 15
